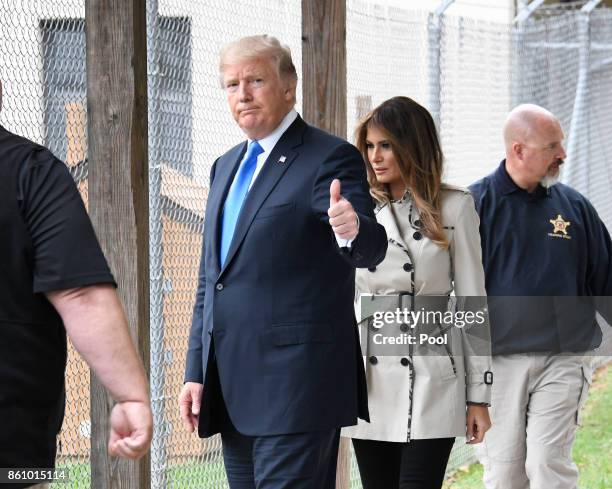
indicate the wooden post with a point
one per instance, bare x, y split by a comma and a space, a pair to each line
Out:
324, 103
118, 194
324, 64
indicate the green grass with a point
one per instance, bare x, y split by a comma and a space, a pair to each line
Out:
466, 478
592, 448
189, 475
209, 475
79, 475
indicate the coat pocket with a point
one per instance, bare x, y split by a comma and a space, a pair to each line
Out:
446, 365
299, 333
275, 210
587, 379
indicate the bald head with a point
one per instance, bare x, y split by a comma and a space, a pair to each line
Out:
525, 122
534, 151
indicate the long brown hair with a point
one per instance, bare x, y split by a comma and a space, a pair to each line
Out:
411, 132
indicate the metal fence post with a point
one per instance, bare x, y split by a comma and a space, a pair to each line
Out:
579, 112
518, 96
434, 35
157, 378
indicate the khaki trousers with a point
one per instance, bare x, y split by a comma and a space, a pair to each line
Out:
535, 410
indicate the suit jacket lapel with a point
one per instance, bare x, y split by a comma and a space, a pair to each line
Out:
267, 179
224, 176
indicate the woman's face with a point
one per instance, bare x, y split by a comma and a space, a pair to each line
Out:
381, 158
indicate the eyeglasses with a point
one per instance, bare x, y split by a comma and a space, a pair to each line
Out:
551, 147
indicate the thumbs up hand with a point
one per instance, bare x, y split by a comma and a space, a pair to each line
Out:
342, 217
334, 192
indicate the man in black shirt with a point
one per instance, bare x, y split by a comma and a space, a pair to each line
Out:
548, 267
54, 280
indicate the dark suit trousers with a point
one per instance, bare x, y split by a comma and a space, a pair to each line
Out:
292, 461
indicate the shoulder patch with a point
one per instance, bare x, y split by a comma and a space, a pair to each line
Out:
455, 188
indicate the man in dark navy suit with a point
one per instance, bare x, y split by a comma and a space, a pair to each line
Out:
273, 362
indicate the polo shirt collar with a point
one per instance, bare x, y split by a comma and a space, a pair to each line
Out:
505, 185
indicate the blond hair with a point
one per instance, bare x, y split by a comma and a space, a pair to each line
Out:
262, 47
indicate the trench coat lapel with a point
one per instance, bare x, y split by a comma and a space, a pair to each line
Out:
386, 217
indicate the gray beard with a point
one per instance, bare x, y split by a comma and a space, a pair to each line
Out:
548, 181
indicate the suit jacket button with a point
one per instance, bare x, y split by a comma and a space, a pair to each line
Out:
219, 286
403, 327
417, 235
373, 360
408, 267
372, 269
404, 361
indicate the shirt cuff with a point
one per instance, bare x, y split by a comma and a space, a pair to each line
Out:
346, 243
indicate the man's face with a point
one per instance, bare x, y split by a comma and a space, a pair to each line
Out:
543, 154
257, 97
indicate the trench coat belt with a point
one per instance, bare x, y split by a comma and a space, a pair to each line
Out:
438, 303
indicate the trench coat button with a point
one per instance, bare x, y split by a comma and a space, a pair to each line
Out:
373, 360
219, 286
418, 223
372, 269
417, 235
408, 267
404, 362
403, 327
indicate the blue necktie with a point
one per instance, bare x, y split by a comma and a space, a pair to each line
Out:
235, 197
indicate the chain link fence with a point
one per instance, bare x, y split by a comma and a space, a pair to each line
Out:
468, 72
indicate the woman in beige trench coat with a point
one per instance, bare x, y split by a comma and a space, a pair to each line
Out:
418, 403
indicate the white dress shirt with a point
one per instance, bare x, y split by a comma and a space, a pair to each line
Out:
268, 143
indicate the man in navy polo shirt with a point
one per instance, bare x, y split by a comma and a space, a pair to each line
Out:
548, 265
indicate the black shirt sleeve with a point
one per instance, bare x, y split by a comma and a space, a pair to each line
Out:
66, 252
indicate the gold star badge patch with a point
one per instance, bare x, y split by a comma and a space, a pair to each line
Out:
559, 225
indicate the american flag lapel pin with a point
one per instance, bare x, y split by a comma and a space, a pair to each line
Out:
282, 159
